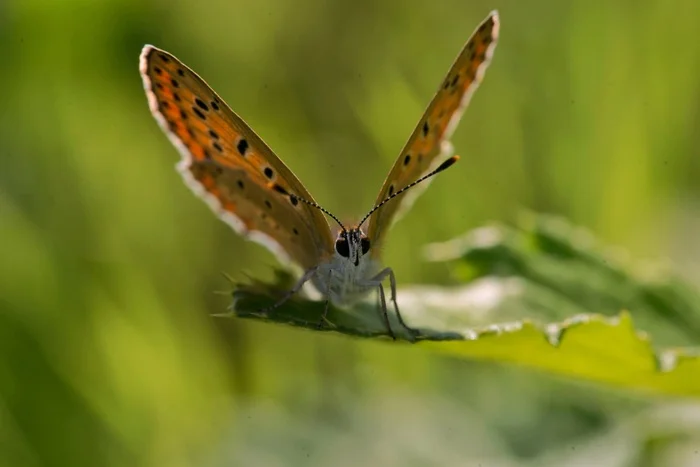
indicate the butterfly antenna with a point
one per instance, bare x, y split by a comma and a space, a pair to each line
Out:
448, 163
320, 208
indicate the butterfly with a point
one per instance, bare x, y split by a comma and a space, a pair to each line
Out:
242, 180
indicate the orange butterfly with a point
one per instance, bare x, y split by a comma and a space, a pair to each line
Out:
249, 187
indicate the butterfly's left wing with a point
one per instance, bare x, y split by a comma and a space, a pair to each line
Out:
229, 166
429, 144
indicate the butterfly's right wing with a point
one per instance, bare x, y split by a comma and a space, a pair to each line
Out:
429, 145
230, 167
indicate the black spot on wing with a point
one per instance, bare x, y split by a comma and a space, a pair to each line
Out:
280, 189
200, 103
199, 113
242, 147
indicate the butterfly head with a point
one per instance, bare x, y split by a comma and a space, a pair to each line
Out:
352, 244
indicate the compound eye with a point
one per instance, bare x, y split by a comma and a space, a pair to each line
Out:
364, 242
342, 247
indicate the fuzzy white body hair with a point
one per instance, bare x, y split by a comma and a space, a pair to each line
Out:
343, 282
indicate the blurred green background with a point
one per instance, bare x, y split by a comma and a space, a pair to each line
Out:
109, 264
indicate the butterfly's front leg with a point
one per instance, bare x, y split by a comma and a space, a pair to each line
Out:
324, 316
376, 281
385, 315
297, 287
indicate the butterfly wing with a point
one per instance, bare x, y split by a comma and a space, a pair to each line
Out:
429, 144
230, 167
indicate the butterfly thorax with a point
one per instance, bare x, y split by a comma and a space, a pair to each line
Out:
344, 278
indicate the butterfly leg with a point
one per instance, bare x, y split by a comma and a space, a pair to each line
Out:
392, 282
377, 281
385, 315
324, 319
297, 287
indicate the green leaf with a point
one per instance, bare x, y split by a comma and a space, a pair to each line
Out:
541, 295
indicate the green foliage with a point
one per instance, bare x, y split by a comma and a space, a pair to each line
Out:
108, 353
542, 268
